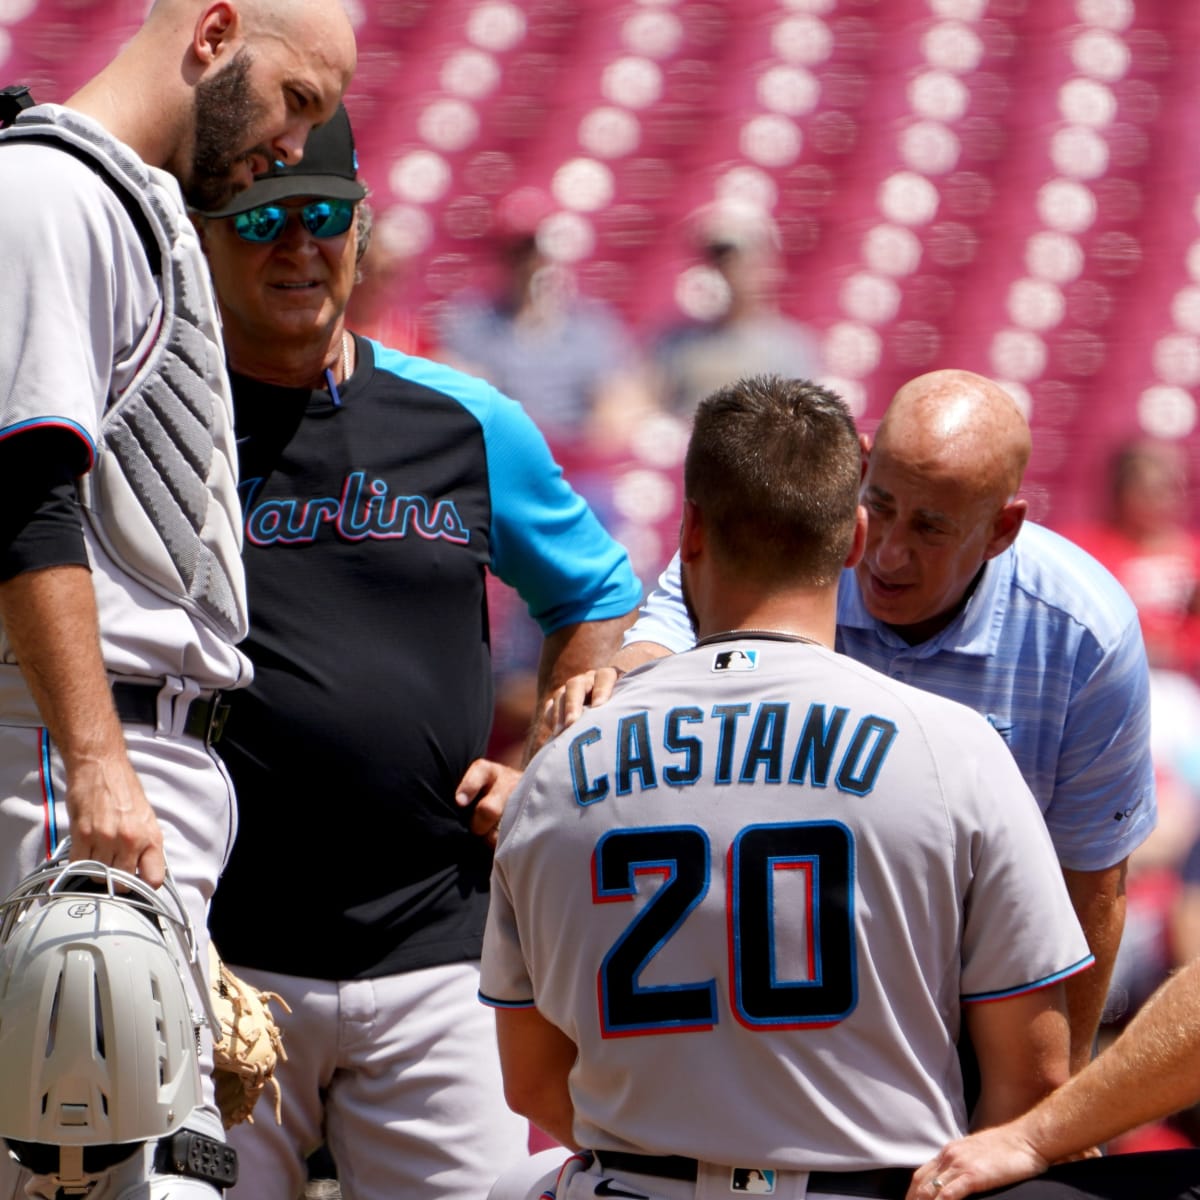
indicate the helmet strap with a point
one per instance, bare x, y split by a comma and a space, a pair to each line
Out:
70, 1171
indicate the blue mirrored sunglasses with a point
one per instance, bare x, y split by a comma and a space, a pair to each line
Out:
322, 218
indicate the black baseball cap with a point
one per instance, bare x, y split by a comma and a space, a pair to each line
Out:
329, 169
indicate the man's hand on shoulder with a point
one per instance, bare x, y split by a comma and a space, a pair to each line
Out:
590, 689
566, 704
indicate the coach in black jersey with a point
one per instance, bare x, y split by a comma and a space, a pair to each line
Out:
378, 489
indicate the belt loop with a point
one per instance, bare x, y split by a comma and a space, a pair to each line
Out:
174, 699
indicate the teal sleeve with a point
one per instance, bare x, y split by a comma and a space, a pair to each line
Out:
546, 541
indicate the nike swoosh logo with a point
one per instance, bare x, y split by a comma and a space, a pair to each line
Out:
606, 1187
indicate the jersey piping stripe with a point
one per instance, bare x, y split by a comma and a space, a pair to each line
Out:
150, 341
492, 1002
1037, 985
54, 423
583, 1158
49, 813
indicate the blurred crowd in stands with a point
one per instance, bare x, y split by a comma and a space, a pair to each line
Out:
1146, 535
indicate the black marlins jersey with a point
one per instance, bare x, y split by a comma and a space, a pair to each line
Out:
369, 525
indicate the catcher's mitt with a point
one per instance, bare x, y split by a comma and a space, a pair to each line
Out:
250, 1043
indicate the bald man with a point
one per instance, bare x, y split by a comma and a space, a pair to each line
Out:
1030, 631
121, 589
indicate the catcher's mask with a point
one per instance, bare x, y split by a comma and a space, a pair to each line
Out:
98, 1040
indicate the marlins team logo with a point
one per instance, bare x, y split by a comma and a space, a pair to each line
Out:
735, 660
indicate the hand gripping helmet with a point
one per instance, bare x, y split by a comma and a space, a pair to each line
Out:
98, 1040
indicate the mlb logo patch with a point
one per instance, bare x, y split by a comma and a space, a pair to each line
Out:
759, 1180
735, 660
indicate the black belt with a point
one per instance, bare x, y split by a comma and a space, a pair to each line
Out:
886, 1183
137, 704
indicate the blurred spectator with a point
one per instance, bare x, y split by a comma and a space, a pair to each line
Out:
571, 363
1162, 918
375, 308
1146, 954
1148, 544
1177, 699
634, 486
1151, 944
751, 336
1185, 929
1174, 723
1185, 944
567, 358
1164, 907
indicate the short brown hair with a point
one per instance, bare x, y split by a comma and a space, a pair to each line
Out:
774, 466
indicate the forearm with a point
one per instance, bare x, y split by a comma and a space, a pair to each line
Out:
536, 1060
1099, 900
51, 623
1150, 1071
551, 1111
578, 648
566, 653
637, 653
1022, 1046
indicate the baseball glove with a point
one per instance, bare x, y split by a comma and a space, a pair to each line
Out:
250, 1043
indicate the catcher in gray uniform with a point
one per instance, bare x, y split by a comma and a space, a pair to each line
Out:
805, 878
122, 595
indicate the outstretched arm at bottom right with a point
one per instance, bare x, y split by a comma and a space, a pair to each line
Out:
1151, 1070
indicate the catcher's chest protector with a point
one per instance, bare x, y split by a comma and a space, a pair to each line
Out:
162, 496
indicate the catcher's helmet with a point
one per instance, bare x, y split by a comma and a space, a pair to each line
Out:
98, 1042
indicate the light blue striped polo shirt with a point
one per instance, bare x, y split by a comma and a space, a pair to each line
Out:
1048, 648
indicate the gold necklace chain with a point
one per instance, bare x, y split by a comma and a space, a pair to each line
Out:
346, 345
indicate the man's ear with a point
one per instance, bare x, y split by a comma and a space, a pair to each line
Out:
217, 28
691, 532
859, 545
1005, 527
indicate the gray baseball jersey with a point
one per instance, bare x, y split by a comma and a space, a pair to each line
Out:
755, 889
95, 339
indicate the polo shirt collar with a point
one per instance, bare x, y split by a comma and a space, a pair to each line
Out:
976, 630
